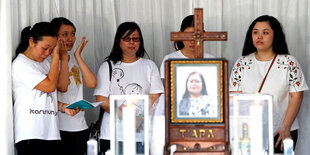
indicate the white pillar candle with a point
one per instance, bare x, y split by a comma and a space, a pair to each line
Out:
129, 130
256, 129
288, 146
92, 148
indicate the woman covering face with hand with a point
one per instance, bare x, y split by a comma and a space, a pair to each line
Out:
74, 73
265, 49
34, 91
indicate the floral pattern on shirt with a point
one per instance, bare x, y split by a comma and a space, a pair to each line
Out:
285, 62
293, 70
240, 65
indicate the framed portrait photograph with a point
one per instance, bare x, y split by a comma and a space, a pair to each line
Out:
196, 91
196, 97
129, 124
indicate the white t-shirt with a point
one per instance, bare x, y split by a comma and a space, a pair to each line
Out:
73, 94
35, 112
175, 55
284, 77
160, 108
139, 77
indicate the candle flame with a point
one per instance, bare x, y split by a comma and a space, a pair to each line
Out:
257, 100
131, 102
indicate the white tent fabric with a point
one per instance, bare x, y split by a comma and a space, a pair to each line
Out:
98, 21
6, 111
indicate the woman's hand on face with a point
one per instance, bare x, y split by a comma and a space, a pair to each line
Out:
55, 52
283, 133
62, 48
81, 47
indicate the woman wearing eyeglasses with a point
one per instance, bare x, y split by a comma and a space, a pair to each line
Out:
131, 74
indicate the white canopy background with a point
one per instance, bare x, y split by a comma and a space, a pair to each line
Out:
98, 21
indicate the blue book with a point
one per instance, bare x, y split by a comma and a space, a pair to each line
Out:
83, 104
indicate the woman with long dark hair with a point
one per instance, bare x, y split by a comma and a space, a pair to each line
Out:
265, 50
131, 74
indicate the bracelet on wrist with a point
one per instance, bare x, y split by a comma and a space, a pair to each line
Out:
62, 110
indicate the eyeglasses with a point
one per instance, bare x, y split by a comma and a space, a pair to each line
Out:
127, 39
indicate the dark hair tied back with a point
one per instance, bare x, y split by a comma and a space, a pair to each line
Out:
37, 32
24, 39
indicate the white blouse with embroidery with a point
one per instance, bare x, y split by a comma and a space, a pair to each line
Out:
284, 77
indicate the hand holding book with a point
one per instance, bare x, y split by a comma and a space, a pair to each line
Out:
83, 104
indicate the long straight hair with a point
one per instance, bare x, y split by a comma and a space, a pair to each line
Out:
279, 45
116, 52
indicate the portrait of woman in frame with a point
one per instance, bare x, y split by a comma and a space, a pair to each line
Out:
196, 91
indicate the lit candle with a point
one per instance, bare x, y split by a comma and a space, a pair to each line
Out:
256, 129
129, 129
288, 146
92, 147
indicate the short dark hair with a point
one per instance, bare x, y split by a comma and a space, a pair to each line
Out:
37, 32
204, 87
116, 52
57, 22
279, 45
187, 22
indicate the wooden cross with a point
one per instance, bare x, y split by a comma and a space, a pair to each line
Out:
199, 35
